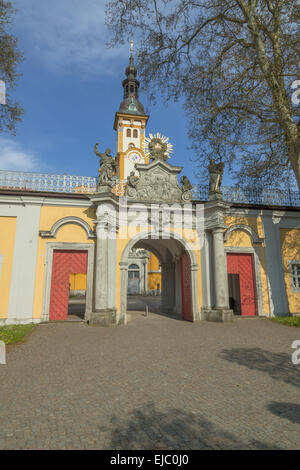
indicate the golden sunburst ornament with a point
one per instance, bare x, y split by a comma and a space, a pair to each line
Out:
157, 147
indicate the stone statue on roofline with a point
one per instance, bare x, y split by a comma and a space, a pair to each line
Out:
186, 187
107, 170
216, 171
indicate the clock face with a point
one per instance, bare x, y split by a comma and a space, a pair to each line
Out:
135, 157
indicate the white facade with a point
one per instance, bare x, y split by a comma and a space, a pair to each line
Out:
26, 209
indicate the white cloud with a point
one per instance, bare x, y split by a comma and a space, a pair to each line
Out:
14, 158
66, 33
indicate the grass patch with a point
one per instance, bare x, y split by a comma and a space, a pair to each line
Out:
12, 334
289, 321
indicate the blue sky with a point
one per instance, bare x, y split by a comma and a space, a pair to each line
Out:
70, 90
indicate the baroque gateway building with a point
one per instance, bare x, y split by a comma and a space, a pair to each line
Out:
142, 228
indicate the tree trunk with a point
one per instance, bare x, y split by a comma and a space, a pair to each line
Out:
294, 157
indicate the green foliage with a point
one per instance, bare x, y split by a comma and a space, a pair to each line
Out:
14, 333
289, 321
233, 63
10, 57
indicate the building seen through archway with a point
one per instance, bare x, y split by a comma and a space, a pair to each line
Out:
164, 264
144, 273
144, 281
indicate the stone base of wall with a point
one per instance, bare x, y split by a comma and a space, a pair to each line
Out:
18, 321
198, 317
106, 317
217, 315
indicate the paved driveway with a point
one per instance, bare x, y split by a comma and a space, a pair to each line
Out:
157, 383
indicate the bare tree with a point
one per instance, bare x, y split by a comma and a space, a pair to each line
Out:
233, 62
10, 56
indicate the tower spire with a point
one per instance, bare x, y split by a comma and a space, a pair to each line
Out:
131, 103
130, 123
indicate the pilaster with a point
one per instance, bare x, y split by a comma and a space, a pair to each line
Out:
104, 312
220, 271
214, 222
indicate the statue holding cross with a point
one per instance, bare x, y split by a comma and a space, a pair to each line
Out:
107, 167
216, 171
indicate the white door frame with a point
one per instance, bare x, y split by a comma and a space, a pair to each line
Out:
50, 247
254, 251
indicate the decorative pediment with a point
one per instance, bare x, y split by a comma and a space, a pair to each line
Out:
157, 183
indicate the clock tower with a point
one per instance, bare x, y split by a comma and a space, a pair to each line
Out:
130, 124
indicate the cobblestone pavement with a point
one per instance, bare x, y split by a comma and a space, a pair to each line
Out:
157, 383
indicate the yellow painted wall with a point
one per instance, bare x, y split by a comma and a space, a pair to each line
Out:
239, 238
153, 264
121, 133
254, 222
78, 281
121, 155
51, 214
153, 278
70, 233
290, 245
7, 243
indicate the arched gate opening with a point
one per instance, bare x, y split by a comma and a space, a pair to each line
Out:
178, 274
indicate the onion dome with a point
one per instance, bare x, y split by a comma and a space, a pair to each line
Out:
131, 103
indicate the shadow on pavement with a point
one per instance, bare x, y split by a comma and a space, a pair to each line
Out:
148, 428
277, 365
290, 411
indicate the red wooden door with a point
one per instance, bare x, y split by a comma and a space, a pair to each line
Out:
185, 271
242, 264
65, 262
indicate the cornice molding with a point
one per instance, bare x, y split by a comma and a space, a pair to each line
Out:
244, 228
65, 221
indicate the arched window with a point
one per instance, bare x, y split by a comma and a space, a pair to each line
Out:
133, 266
131, 145
128, 133
135, 133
